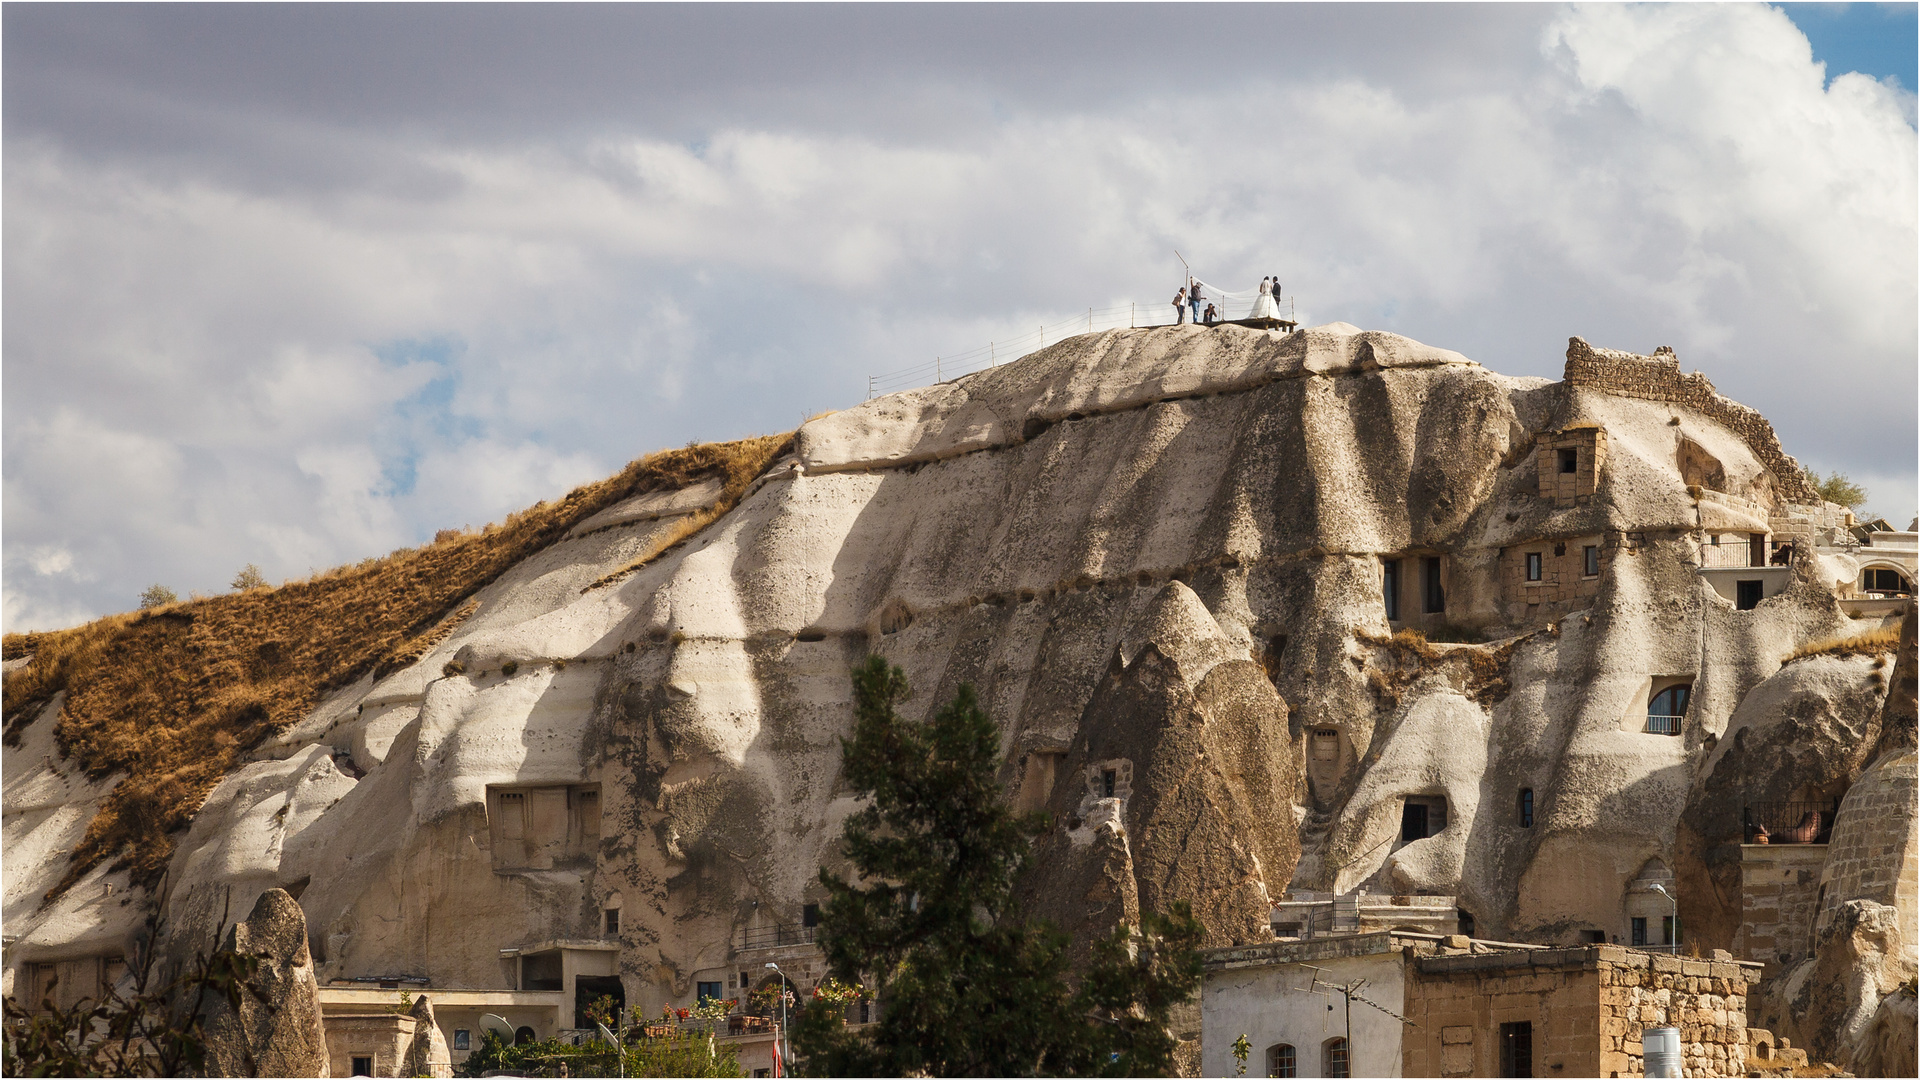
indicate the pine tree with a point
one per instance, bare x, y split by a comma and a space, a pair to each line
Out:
966, 986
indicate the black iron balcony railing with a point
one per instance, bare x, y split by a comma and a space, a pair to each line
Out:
1792, 822
772, 937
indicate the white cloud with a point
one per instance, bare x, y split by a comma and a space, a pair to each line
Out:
48, 561
194, 356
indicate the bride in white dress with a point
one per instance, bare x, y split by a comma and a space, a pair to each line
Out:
1264, 306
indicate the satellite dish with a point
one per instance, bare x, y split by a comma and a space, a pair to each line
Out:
605, 1034
490, 1022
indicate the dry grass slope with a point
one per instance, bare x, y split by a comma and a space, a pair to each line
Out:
1877, 642
175, 697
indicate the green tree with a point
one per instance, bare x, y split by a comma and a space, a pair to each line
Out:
683, 1051
1837, 489
158, 595
966, 986
248, 578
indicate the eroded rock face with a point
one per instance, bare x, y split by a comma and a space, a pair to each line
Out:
427, 1054
1166, 560
277, 1030
1864, 941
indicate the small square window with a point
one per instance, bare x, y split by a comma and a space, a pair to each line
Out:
708, 991
810, 915
1533, 566
462, 1039
1569, 460
1326, 746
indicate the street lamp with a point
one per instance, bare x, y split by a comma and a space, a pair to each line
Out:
786, 1055
1673, 930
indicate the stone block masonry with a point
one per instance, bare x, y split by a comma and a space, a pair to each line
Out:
1569, 463
1779, 896
1563, 585
1659, 378
1583, 1010
1872, 857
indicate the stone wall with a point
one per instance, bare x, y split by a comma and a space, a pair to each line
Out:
383, 1038
1564, 584
1659, 378
1588, 442
1587, 1008
1872, 856
1779, 897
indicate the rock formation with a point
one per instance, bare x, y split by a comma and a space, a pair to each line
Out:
1253, 609
276, 1031
427, 1054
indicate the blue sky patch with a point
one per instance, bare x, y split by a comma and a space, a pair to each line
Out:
1873, 39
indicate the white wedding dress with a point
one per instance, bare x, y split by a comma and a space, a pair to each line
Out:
1264, 306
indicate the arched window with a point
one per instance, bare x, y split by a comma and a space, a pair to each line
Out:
1281, 1061
1880, 580
1667, 708
1526, 808
1333, 1056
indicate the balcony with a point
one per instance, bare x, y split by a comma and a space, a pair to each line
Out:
1791, 822
774, 937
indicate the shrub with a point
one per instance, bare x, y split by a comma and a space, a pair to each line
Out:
249, 578
157, 595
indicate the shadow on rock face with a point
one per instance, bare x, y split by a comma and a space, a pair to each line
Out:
1180, 788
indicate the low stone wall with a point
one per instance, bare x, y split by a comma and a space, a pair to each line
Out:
1659, 378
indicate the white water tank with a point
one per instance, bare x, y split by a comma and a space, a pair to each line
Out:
1660, 1047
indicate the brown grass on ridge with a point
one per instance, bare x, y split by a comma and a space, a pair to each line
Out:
175, 697
1479, 671
1880, 641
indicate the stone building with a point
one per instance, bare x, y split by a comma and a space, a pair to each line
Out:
1402, 1004
1569, 462
1573, 1011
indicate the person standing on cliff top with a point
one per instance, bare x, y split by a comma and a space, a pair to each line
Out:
1194, 299
1263, 305
1180, 307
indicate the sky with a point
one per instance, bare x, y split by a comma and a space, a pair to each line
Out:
298, 285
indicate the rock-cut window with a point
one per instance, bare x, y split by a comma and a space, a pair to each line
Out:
1533, 566
1667, 709
1526, 808
1570, 460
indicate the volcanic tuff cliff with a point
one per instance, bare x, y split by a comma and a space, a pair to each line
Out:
1159, 556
